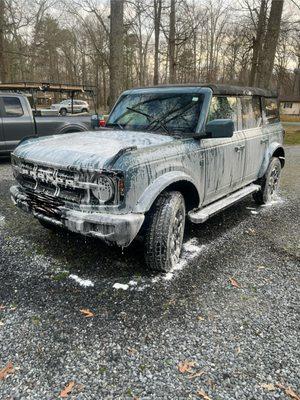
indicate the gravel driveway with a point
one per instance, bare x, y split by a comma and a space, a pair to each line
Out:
225, 324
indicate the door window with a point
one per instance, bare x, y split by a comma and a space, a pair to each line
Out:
251, 112
224, 107
12, 107
272, 112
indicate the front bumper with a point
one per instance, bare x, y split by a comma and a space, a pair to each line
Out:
119, 229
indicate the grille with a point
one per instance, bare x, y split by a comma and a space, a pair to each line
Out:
53, 183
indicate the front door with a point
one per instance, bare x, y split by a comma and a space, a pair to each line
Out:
17, 123
224, 157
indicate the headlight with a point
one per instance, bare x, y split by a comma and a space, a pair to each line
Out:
105, 189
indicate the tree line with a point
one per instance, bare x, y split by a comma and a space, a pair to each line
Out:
118, 44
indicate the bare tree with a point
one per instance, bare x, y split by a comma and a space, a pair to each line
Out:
172, 43
116, 49
270, 44
157, 22
2, 39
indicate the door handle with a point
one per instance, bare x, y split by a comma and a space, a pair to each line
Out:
264, 140
240, 147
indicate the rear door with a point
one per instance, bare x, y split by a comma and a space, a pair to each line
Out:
224, 157
256, 140
17, 121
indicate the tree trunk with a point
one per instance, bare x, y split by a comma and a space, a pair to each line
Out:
116, 49
157, 20
172, 37
258, 41
270, 44
3, 71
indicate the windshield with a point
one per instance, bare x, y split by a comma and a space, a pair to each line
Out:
162, 112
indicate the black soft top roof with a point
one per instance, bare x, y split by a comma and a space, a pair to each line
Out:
225, 89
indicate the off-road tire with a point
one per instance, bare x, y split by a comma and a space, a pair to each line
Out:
63, 112
165, 230
269, 182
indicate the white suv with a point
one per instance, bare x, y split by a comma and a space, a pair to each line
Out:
79, 106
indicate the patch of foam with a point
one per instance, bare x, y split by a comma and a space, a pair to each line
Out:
277, 200
120, 286
2, 220
254, 212
168, 276
82, 282
132, 283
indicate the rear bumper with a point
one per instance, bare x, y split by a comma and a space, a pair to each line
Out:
119, 229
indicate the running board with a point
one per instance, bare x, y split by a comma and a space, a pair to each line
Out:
198, 217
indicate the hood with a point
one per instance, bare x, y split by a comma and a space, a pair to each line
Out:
85, 150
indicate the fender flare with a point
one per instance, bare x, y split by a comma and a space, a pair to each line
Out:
77, 127
268, 155
148, 197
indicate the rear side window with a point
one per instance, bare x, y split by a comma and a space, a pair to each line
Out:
223, 107
272, 112
12, 107
251, 112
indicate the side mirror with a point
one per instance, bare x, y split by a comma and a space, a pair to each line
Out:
219, 128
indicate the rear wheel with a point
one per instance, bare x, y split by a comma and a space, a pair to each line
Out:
164, 237
84, 110
269, 183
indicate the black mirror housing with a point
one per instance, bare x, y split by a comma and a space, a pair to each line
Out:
219, 128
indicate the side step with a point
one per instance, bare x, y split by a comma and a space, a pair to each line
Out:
198, 217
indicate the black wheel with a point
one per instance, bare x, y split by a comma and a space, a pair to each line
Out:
269, 183
164, 236
84, 110
48, 225
63, 112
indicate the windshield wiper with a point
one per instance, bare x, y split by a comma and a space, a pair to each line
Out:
150, 118
162, 119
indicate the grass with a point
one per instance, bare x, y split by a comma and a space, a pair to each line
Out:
292, 135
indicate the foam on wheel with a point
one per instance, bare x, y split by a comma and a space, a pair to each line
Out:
164, 236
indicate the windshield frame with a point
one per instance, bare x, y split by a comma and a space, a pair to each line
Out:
205, 91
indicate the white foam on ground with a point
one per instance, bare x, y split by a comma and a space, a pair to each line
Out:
277, 200
2, 219
132, 283
120, 286
82, 282
254, 212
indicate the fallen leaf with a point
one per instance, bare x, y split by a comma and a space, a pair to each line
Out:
132, 351
185, 366
238, 350
196, 374
289, 391
234, 282
268, 386
2, 307
9, 369
200, 318
87, 313
67, 390
202, 394
1, 323
251, 231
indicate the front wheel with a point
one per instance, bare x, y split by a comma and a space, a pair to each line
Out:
63, 112
269, 183
164, 237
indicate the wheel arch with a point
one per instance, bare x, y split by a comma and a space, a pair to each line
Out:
71, 129
171, 181
274, 150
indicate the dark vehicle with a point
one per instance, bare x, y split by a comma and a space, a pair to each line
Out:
17, 122
166, 154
